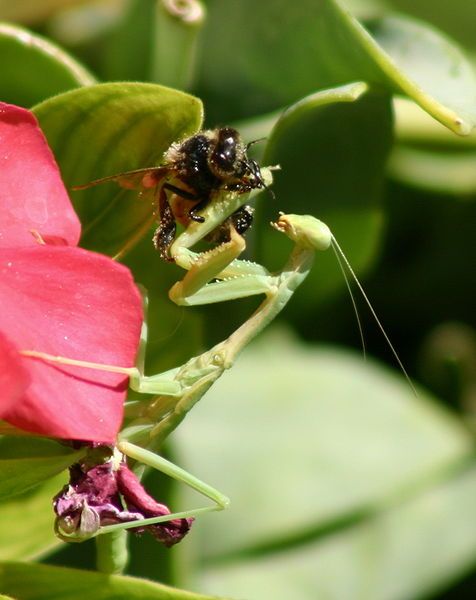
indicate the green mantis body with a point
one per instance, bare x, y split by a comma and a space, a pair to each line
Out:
212, 276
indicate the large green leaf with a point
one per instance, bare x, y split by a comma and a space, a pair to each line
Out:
290, 49
31, 11
440, 172
111, 128
108, 129
407, 551
428, 156
423, 64
26, 462
325, 441
458, 18
332, 148
26, 522
42, 582
34, 68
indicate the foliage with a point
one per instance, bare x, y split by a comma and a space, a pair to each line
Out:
343, 484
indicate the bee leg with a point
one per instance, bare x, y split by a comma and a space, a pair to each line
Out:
180, 192
199, 206
188, 196
165, 232
242, 218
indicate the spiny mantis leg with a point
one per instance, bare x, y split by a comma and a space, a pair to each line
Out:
163, 465
178, 390
111, 540
166, 384
161, 416
206, 266
309, 234
236, 278
196, 377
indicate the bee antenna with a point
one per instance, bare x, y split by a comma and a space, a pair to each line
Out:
339, 253
253, 142
270, 191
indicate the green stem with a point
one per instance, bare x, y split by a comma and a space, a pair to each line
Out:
112, 553
178, 23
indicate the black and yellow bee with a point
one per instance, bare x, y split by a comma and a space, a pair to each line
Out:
193, 170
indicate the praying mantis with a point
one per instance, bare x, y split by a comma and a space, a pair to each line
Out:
212, 276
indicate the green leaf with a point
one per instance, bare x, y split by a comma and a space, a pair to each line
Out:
246, 62
412, 550
326, 441
331, 147
428, 156
26, 462
31, 11
440, 172
414, 126
108, 129
26, 522
429, 68
34, 68
41, 582
457, 18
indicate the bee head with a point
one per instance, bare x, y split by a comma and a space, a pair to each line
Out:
227, 154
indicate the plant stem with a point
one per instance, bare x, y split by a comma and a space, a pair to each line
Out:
112, 553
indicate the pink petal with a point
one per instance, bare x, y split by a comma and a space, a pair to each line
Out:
32, 194
73, 303
14, 377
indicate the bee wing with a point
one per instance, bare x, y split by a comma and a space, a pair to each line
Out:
138, 179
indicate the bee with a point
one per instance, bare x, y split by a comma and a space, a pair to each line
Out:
192, 172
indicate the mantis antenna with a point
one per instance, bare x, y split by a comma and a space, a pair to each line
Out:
341, 258
354, 304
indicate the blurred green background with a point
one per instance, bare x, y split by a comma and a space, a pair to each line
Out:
343, 484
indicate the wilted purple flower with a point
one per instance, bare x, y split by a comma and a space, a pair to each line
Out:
106, 494
138, 501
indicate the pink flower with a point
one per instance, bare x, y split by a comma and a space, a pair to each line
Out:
56, 298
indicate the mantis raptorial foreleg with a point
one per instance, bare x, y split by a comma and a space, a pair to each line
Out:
104, 499
148, 423
148, 458
179, 389
168, 468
